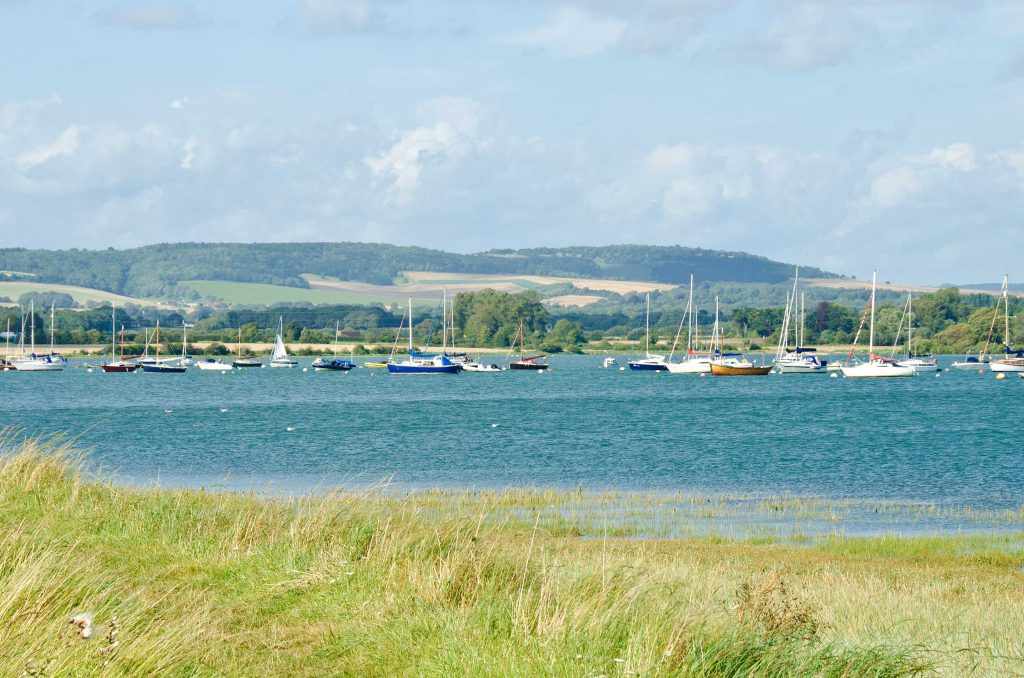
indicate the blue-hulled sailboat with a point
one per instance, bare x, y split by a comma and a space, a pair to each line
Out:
422, 363
333, 364
652, 362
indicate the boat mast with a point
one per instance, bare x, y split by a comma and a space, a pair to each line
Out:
337, 323
648, 325
32, 323
871, 332
910, 324
803, 309
692, 311
716, 333
184, 340
522, 341
444, 320
156, 339
1006, 310
410, 325
7, 340
113, 332
53, 326
239, 341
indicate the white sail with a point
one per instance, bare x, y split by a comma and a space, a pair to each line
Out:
279, 349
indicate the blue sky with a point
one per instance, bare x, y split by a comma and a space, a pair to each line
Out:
849, 135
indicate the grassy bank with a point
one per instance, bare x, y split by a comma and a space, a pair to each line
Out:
190, 582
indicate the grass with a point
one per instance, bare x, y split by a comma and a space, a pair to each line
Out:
260, 293
193, 582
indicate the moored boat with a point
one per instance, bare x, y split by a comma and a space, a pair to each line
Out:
213, 365
117, 365
334, 363
165, 365
1012, 360
533, 362
653, 362
876, 366
279, 357
920, 362
51, 362
800, 359
422, 363
243, 361
738, 367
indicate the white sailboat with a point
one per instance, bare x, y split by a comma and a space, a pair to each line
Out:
5, 362
920, 363
51, 362
279, 356
652, 362
801, 359
1013, 360
876, 366
693, 362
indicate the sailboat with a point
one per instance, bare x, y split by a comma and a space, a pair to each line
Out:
876, 365
731, 364
279, 356
920, 362
801, 359
652, 362
468, 364
51, 362
167, 365
117, 364
245, 360
533, 362
694, 362
420, 363
1013, 360
335, 364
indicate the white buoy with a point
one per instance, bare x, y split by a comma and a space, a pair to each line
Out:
167, 411
223, 409
289, 428
622, 369
834, 375
89, 370
494, 426
305, 369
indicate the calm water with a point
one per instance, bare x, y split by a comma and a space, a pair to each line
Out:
956, 439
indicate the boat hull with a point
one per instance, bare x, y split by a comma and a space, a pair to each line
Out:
801, 369
1009, 366
38, 365
640, 366
873, 370
920, 367
690, 367
395, 368
518, 365
243, 363
969, 367
115, 368
215, 367
284, 363
740, 370
164, 369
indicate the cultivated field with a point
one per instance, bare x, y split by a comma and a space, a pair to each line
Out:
82, 295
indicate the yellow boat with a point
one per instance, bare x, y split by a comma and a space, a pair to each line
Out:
378, 366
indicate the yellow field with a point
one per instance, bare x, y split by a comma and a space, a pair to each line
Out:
13, 290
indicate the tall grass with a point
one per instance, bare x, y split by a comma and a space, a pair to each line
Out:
189, 582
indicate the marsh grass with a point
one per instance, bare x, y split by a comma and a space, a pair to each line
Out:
190, 582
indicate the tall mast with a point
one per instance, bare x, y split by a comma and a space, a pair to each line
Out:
444, 319
184, 339
239, 341
910, 324
522, 341
689, 334
53, 326
7, 340
1006, 309
32, 322
871, 332
156, 339
648, 325
716, 340
803, 308
113, 332
410, 325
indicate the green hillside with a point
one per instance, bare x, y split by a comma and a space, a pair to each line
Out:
157, 270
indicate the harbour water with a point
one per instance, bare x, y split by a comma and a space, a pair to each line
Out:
953, 440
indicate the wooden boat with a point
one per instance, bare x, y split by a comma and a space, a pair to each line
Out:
731, 367
117, 365
245, 360
533, 362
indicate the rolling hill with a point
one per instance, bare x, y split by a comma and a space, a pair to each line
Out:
158, 271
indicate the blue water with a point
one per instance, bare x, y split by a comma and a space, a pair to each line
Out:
956, 439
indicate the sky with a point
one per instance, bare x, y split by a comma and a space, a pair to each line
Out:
848, 135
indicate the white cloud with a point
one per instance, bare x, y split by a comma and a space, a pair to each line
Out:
573, 32
150, 16
179, 104
810, 36
916, 174
449, 132
65, 144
